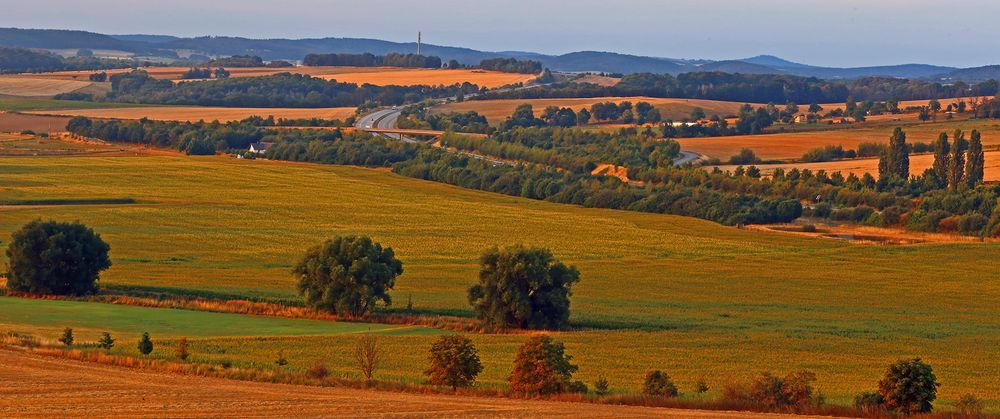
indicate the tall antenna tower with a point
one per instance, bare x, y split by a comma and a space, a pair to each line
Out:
418, 42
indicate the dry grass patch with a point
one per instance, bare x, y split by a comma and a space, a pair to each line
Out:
198, 113
15, 122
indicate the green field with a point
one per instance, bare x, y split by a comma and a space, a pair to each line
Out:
20, 104
688, 296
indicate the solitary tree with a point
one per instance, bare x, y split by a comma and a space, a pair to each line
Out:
105, 342
50, 257
368, 355
909, 386
975, 163
67, 337
454, 362
942, 160
658, 384
347, 275
542, 367
523, 287
145, 344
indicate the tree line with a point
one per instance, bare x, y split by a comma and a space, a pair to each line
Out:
391, 59
754, 88
21, 60
276, 91
511, 65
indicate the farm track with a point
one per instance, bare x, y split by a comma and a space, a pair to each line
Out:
38, 386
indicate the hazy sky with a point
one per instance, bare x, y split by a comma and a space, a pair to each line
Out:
831, 33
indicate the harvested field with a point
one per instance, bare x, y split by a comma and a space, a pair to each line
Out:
360, 75
498, 110
27, 145
89, 390
604, 81
198, 113
790, 146
15, 122
31, 86
918, 163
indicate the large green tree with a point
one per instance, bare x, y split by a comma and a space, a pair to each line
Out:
523, 287
51, 257
909, 386
347, 275
975, 163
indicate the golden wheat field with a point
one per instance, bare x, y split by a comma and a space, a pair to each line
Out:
200, 113
39, 86
360, 75
498, 110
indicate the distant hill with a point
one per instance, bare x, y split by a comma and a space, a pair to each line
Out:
610, 62
737, 66
584, 61
972, 75
152, 39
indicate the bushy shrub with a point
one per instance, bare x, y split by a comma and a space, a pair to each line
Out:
145, 344
601, 386
317, 370
658, 384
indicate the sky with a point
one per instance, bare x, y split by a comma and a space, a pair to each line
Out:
843, 33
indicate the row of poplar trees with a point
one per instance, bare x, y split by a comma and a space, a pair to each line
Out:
957, 164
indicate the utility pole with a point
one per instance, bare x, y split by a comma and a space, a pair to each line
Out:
418, 43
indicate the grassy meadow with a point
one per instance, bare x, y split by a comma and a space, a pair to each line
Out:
688, 296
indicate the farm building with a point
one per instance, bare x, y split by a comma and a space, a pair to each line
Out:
260, 147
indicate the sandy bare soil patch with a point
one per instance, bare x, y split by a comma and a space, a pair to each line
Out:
37, 386
918, 163
360, 75
31, 86
198, 113
498, 110
16, 122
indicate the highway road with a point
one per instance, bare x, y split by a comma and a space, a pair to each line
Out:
384, 119
686, 157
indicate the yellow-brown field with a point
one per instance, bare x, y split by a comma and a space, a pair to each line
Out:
39, 86
918, 163
498, 110
201, 113
791, 146
88, 390
359, 75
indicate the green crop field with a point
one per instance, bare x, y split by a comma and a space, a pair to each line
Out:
688, 296
19, 104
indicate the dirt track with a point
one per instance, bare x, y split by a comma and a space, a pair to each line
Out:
36, 386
